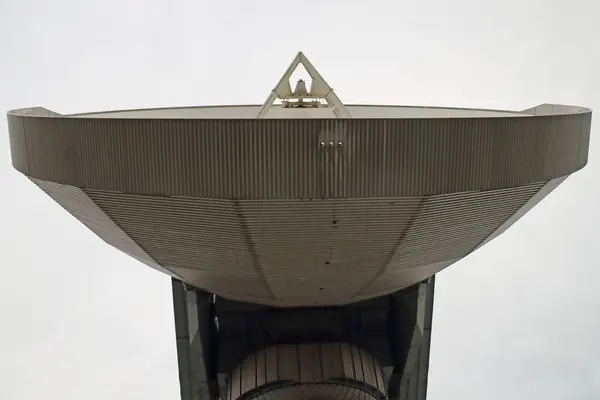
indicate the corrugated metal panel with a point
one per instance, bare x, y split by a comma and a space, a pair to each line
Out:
182, 232
535, 199
332, 364
448, 225
261, 368
304, 246
18, 144
313, 370
287, 363
584, 140
78, 204
316, 391
249, 381
387, 281
308, 358
292, 252
330, 251
271, 364
369, 369
258, 159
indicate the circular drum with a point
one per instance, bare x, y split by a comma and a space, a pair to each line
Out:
328, 371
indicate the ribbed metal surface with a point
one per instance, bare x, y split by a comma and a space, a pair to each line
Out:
445, 229
323, 371
202, 241
79, 205
321, 391
266, 211
303, 252
266, 159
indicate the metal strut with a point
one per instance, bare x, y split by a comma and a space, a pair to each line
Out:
319, 90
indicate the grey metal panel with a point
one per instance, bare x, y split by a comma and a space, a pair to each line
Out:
445, 229
248, 381
201, 240
322, 391
259, 211
543, 191
313, 242
312, 369
446, 225
192, 224
78, 204
259, 159
192, 328
422, 373
287, 362
416, 371
584, 141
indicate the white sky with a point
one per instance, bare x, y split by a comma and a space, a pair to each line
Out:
78, 319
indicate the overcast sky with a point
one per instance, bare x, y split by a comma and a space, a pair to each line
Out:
79, 320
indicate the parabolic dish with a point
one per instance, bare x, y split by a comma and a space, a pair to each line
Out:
289, 205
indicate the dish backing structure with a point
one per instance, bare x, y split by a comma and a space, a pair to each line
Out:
303, 235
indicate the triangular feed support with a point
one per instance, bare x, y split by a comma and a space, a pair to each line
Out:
318, 90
